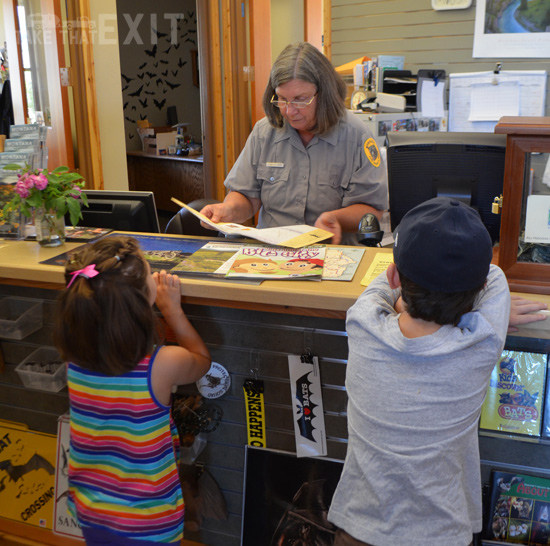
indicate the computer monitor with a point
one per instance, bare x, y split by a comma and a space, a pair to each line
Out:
121, 210
466, 166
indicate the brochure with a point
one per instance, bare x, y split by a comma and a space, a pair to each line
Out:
213, 259
290, 236
341, 263
267, 262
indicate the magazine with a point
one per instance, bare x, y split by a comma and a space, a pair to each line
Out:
289, 236
267, 262
515, 393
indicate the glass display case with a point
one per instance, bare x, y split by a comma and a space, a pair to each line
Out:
524, 250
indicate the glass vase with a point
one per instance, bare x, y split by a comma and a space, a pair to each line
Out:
50, 230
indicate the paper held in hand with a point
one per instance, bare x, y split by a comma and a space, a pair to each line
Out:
289, 236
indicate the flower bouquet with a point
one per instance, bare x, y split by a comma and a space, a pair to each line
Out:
52, 195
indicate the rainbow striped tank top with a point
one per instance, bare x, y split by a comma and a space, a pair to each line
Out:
123, 474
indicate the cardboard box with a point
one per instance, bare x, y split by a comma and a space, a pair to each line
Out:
164, 141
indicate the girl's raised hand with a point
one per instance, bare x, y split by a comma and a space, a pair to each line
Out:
168, 298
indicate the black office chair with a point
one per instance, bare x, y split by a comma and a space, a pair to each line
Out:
185, 223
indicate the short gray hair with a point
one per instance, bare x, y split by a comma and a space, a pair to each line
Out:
302, 61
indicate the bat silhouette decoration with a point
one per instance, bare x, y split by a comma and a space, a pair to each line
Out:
152, 52
305, 407
17, 471
136, 93
172, 85
159, 104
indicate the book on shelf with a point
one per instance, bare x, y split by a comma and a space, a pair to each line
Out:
518, 509
515, 393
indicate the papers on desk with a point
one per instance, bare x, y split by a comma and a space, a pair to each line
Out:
290, 236
379, 264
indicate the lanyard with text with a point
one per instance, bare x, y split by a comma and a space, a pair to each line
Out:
255, 411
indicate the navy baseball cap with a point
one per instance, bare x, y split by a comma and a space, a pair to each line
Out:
442, 245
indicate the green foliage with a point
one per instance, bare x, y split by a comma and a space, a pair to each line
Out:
58, 190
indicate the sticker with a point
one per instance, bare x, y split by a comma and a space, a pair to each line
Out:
309, 420
215, 382
372, 152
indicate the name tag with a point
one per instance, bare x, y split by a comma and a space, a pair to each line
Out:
279, 165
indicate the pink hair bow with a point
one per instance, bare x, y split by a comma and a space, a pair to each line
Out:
88, 272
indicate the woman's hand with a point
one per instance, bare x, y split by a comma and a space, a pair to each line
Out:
329, 222
236, 208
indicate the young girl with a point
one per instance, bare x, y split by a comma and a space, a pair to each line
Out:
123, 474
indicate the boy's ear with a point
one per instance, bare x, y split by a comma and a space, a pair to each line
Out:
393, 276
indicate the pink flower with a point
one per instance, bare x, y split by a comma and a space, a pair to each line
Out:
22, 189
40, 181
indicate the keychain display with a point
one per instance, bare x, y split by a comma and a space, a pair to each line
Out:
192, 417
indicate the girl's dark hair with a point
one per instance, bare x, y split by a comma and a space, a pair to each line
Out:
434, 306
302, 61
106, 323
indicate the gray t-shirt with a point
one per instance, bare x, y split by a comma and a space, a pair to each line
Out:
296, 184
412, 469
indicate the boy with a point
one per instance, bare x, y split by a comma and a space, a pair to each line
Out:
423, 340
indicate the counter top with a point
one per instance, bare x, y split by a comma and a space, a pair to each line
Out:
20, 264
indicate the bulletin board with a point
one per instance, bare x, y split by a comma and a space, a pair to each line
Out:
477, 100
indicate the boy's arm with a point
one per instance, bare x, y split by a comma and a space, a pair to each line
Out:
493, 302
523, 311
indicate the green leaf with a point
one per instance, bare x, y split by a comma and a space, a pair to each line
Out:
74, 211
13, 167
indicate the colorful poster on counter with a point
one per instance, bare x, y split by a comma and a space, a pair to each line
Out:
27, 475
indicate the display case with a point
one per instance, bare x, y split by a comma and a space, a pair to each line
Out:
524, 250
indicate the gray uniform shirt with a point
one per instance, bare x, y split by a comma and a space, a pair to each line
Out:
412, 469
296, 183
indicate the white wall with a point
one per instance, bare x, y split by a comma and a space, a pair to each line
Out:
287, 24
109, 96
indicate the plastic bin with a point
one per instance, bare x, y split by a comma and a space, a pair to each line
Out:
19, 317
43, 370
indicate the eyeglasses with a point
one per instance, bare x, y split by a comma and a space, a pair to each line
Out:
294, 103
